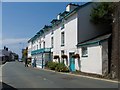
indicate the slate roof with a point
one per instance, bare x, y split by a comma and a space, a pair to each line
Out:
95, 40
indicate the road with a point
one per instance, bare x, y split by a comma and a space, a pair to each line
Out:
14, 74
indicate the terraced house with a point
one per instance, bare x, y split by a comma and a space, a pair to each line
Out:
73, 39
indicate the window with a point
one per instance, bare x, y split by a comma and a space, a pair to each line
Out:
62, 39
84, 52
62, 26
62, 52
44, 35
51, 42
40, 46
37, 47
43, 44
34, 47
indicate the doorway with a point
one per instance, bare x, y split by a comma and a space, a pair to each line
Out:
72, 62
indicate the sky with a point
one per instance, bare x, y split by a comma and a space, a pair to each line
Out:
22, 20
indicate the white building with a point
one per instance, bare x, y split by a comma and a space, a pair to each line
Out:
94, 55
56, 38
64, 37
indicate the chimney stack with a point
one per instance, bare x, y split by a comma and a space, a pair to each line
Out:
6, 49
58, 16
71, 7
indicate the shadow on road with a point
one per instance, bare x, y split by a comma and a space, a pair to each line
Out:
7, 87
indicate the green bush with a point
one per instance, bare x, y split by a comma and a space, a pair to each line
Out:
51, 65
60, 67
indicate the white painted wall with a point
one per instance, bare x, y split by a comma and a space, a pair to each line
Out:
70, 31
34, 45
77, 64
57, 41
29, 49
92, 63
42, 41
71, 35
47, 40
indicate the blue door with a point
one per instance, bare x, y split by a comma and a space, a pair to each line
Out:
72, 62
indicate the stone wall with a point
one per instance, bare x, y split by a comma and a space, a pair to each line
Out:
105, 57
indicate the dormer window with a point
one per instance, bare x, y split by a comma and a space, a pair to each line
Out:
52, 32
62, 26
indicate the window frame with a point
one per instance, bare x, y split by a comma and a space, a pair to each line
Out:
62, 26
44, 44
63, 38
40, 45
52, 42
37, 47
84, 51
52, 32
62, 53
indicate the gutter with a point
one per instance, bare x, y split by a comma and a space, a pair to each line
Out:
90, 43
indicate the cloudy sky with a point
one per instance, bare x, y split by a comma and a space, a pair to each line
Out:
22, 20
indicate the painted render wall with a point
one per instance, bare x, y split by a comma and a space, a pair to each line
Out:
76, 31
47, 40
87, 29
29, 49
70, 31
71, 35
92, 63
56, 41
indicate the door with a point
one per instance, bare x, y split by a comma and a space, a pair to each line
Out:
72, 62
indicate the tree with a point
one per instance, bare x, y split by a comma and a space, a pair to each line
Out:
24, 53
102, 13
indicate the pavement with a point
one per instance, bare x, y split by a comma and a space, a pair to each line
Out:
78, 75
15, 75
